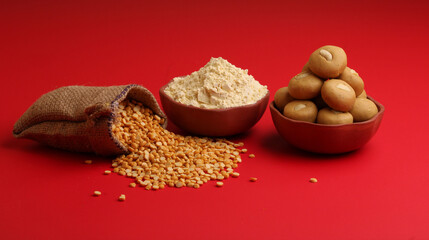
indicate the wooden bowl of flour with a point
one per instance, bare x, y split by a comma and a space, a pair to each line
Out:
213, 122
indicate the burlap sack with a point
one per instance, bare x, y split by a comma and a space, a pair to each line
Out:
79, 118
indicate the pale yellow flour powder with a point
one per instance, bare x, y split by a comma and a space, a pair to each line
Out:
218, 84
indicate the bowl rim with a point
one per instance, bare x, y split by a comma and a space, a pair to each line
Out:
373, 119
220, 110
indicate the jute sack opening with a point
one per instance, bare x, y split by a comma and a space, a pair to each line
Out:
79, 118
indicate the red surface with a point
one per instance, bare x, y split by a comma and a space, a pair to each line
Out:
378, 192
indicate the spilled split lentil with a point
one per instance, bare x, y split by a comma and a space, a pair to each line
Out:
122, 197
158, 158
313, 180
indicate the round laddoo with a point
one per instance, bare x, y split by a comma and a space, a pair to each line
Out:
328, 61
305, 68
363, 109
305, 85
331, 117
363, 94
282, 97
338, 94
351, 77
301, 110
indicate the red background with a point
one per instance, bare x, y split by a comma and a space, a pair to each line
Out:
378, 192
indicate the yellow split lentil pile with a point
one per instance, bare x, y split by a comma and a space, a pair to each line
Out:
158, 158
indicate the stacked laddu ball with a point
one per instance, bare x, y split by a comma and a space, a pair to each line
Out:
159, 158
326, 91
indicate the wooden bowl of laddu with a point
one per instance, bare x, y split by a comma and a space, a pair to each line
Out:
213, 122
329, 139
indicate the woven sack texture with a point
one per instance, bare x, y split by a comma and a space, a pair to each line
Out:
79, 118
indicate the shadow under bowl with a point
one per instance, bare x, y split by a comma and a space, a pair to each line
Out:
213, 122
330, 139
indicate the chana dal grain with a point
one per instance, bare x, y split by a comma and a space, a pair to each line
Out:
235, 174
253, 179
122, 197
313, 180
159, 158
